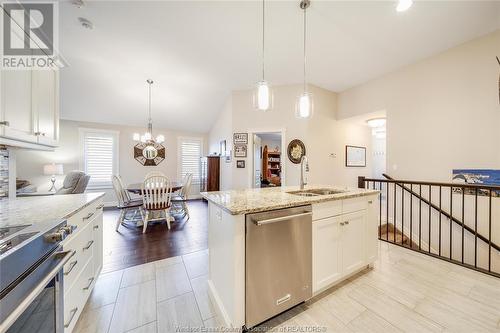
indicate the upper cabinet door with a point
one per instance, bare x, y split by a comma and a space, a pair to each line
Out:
18, 120
46, 105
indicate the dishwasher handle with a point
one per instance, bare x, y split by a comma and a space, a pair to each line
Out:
281, 218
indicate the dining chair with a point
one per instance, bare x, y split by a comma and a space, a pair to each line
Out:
154, 173
157, 194
125, 203
181, 197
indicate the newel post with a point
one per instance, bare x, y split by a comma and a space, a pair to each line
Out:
361, 182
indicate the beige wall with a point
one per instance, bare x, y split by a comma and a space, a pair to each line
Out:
442, 113
30, 163
322, 135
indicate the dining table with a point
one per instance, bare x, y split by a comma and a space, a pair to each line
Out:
136, 188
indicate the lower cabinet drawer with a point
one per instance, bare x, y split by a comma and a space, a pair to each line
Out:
76, 297
326, 209
354, 205
82, 244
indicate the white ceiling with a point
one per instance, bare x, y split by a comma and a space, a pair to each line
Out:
199, 51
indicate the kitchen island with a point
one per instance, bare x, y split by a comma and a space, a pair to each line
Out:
340, 240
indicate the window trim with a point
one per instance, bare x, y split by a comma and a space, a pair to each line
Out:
179, 156
116, 153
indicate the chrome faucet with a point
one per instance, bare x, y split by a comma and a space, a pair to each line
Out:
304, 167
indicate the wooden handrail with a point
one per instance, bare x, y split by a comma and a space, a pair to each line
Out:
401, 183
413, 182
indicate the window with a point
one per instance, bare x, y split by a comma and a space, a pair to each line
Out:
99, 156
190, 150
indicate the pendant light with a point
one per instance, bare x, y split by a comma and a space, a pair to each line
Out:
304, 107
263, 97
147, 137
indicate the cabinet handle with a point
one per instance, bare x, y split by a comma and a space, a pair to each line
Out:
4, 123
346, 222
73, 313
71, 266
96, 227
341, 223
99, 207
91, 280
89, 215
88, 245
370, 202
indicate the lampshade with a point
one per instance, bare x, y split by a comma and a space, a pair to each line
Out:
53, 169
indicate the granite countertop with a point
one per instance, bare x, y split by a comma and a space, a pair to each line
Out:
39, 209
237, 202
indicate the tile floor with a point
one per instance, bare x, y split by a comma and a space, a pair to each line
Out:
404, 292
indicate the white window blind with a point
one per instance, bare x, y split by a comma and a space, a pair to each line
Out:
190, 150
99, 157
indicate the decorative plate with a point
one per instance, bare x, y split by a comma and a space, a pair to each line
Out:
296, 149
149, 154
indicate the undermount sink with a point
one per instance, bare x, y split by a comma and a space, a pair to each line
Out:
316, 192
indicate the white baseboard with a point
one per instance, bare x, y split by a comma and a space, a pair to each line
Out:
219, 307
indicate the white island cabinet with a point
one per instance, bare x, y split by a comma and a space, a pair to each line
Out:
82, 270
344, 239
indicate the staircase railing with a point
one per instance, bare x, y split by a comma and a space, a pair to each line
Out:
450, 221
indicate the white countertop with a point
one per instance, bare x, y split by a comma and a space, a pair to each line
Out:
238, 202
30, 210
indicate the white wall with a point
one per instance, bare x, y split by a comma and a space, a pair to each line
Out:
442, 113
322, 135
30, 163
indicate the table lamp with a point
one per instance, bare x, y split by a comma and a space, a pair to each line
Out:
53, 170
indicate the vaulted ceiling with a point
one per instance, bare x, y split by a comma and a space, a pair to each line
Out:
197, 52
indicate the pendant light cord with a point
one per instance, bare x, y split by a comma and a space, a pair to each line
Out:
305, 48
263, 39
150, 120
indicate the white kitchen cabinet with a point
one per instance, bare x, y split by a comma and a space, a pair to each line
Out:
371, 233
98, 238
327, 252
17, 117
344, 239
83, 269
353, 241
46, 106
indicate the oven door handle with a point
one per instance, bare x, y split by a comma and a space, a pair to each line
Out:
63, 258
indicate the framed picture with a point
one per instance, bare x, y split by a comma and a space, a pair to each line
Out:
240, 164
240, 150
240, 138
355, 156
222, 148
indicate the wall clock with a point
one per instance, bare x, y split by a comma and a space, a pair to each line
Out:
296, 149
149, 154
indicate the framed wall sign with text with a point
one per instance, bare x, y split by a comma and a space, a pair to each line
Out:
355, 156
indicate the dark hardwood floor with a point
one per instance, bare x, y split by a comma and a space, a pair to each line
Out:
130, 247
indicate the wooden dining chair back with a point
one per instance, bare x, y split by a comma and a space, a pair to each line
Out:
157, 193
121, 195
186, 186
125, 203
154, 173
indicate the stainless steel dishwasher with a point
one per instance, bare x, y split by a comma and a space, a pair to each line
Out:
278, 262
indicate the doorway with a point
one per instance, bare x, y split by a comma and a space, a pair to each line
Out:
267, 159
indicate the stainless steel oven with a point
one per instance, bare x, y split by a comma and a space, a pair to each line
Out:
41, 291
31, 278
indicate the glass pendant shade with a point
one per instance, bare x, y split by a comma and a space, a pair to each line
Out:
147, 136
262, 97
160, 138
137, 137
304, 107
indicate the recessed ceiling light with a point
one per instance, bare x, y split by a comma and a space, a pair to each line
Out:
404, 5
376, 122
